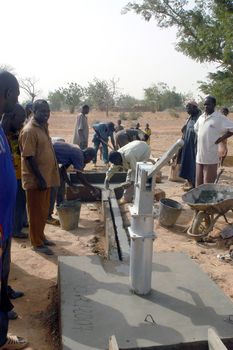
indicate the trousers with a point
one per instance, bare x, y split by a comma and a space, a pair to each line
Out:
38, 209
5, 304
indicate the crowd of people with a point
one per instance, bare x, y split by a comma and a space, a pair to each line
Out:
33, 169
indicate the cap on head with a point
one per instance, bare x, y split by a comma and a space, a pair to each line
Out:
192, 103
38, 104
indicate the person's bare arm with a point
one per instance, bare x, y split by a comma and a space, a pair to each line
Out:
224, 137
84, 182
34, 167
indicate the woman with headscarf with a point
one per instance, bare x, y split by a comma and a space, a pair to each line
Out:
189, 150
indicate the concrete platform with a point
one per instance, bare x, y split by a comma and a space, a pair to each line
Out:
96, 303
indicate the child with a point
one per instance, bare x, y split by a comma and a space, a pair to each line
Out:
148, 132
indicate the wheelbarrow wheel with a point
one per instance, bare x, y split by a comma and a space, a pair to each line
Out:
201, 226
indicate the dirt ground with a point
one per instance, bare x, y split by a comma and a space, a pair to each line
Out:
36, 274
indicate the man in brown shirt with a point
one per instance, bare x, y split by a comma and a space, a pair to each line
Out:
39, 173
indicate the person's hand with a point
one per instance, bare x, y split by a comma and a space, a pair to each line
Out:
126, 185
106, 184
42, 184
95, 191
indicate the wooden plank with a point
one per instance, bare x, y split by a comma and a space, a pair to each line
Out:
214, 341
113, 343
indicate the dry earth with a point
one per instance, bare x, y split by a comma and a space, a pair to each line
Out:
36, 275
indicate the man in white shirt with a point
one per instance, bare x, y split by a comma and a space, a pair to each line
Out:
81, 131
209, 127
126, 158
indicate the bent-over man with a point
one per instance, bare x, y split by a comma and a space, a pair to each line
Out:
126, 158
125, 136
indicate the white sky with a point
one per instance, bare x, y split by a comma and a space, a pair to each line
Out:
60, 41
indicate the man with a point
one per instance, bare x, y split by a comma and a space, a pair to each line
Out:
102, 133
126, 158
67, 155
81, 131
209, 127
125, 136
189, 150
12, 123
119, 127
39, 173
9, 92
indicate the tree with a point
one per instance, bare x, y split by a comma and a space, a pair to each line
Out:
159, 97
204, 30
126, 102
29, 86
73, 95
56, 100
102, 94
220, 85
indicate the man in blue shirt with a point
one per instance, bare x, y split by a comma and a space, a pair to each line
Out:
68, 154
9, 92
102, 133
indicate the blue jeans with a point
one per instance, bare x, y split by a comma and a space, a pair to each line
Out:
20, 214
97, 143
5, 304
57, 194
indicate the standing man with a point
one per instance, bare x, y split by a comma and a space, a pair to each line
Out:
209, 127
102, 133
39, 173
9, 92
81, 131
189, 150
12, 123
126, 158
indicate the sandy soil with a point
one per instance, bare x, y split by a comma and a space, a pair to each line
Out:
36, 275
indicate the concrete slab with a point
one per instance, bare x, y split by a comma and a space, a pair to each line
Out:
96, 303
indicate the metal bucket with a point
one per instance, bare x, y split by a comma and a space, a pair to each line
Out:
69, 213
169, 211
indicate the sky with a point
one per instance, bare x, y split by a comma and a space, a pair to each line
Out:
59, 41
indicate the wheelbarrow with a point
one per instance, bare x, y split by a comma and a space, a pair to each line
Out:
210, 202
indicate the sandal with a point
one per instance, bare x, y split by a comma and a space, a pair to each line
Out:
14, 343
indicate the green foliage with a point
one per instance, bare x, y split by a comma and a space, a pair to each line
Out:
159, 97
134, 115
220, 85
126, 102
204, 30
122, 116
173, 113
72, 95
56, 100
102, 94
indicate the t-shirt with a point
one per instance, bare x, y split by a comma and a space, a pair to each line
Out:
8, 187
133, 152
209, 128
34, 141
68, 154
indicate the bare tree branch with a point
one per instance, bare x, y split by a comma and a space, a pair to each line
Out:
28, 84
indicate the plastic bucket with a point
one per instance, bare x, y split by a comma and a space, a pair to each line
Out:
169, 211
69, 213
